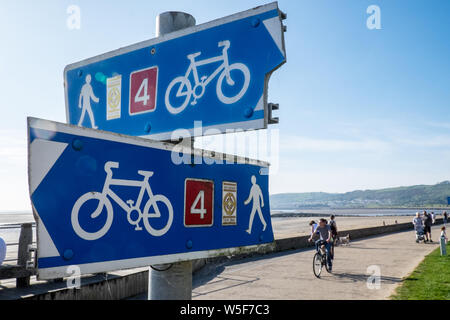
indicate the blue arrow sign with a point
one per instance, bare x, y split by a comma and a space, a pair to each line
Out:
216, 73
107, 202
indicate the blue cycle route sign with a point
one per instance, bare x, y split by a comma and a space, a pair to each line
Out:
216, 73
104, 201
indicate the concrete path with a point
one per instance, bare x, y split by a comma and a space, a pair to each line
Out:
290, 276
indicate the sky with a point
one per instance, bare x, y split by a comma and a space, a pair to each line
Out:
359, 108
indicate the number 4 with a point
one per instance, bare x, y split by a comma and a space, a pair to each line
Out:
202, 211
142, 97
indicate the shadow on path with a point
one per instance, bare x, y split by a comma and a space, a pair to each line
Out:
357, 277
224, 282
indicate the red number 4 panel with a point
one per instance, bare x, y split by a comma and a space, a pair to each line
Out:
143, 91
198, 203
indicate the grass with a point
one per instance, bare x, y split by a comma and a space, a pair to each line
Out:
430, 281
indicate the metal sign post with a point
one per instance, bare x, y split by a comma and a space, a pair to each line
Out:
171, 282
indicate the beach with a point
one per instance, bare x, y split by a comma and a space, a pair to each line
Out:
291, 227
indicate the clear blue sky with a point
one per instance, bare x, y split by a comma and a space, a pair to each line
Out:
360, 108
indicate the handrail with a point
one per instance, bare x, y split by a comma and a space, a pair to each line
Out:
24, 267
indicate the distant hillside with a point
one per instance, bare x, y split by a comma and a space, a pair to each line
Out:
415, 196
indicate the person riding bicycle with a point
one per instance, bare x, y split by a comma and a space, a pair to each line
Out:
324, 231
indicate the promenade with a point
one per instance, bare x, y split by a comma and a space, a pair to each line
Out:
289, 275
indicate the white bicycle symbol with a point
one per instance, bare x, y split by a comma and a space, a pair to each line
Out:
185, 87
129, 206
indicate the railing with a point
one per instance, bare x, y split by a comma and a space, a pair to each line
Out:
24, 266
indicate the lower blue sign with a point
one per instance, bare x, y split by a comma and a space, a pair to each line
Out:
106, 202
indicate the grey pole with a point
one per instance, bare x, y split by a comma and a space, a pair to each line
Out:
171, 21
175, 283
171, 282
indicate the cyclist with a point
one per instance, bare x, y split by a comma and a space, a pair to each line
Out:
324, 231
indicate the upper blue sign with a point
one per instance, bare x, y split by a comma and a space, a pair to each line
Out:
107, 202
216, 73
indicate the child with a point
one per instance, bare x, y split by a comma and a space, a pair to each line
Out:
444, 235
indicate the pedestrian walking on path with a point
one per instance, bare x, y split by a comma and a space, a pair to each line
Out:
428, 222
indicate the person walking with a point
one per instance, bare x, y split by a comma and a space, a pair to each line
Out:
428, 222
445, 217
334, 234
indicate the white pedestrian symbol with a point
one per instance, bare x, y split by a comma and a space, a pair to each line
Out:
255, 195
85, 102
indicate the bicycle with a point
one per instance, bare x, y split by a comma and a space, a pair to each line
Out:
129, 207
185, 87
320, 260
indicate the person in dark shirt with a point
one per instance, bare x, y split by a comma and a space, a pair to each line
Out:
428, 222
334, 234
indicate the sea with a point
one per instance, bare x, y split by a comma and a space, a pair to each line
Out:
326, 212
